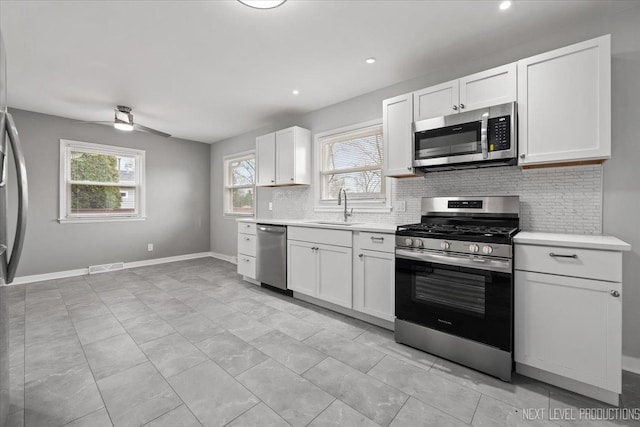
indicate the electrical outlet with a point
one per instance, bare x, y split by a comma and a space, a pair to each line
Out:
150, 247
400, 206
270, 206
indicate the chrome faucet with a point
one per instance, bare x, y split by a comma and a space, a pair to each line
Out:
346, 214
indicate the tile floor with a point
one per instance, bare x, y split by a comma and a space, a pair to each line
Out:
190, 344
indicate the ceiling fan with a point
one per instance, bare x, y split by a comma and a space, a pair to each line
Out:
123, 120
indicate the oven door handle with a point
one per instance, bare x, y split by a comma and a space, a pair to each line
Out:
478, 263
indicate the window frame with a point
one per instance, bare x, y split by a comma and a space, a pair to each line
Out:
65, 215
382, 204
227, 187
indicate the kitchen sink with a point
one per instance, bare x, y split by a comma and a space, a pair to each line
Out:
340, 223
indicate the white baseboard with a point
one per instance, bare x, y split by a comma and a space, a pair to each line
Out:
631, 364
229, 258
83, 271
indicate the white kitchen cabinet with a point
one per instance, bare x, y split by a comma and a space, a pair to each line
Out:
374, 275
564, 104
397, 129
302, 267
266, 160
334, 274
246, 258
569, 326
484, 89
436, 101
568, 316
319, 264
284, 158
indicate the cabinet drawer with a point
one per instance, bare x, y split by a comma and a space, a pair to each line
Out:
376, 241
574, 262
247, 228
247, 266
320, 235
247, 244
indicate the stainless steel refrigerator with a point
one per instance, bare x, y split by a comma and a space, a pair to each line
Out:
9, 256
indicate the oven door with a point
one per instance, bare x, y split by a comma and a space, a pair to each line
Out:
470, 297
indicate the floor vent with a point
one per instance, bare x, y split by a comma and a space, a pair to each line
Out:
94, 269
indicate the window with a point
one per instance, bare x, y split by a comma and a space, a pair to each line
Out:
239, 183
351, 158
100, 182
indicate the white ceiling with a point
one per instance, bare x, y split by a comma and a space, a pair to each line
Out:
208, 70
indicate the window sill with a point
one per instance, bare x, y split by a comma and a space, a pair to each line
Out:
356, 209
237, 215
101, 219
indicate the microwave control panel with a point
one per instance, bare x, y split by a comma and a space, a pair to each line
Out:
499, 132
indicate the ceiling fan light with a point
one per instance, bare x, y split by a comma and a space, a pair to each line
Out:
122, 126
262, 4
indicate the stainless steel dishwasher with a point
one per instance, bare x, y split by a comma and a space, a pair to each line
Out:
271, 256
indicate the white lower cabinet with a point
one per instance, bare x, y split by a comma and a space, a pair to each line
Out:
568, 318
320, 270
247, 249
569, 326
374, 283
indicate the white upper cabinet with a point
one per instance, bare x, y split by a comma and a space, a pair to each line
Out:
284, 157
397, 128
564, 104
492, 87
266, 160
436, 101
484, 89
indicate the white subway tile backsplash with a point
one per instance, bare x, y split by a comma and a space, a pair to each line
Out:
564, 199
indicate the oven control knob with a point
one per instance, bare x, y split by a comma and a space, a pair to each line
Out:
417, 243
408, 242
445, 245
487, 249
473, 248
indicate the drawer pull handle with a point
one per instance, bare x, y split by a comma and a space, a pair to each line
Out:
377, 239
246, 259
615, 294
360, 256
574, 256
247, 238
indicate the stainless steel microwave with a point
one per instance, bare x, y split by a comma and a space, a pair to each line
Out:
478, 138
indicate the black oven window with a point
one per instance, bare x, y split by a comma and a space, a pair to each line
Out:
453, 289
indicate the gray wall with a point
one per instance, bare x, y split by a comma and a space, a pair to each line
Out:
621, 176
177, 199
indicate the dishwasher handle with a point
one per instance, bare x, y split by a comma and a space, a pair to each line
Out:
268, 229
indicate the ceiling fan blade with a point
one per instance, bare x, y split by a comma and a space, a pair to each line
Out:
150, 130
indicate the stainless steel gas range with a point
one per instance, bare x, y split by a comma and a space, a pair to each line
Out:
454, 281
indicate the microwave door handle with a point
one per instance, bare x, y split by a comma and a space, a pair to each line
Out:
3, 152
483, 135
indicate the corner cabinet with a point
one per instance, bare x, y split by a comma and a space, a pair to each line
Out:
397, 128
564, 104
484, 89
374, 274
568, 318
284, 158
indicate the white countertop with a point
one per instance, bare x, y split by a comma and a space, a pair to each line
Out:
357, 226
584, 241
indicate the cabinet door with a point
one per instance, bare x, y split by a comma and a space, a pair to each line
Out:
564, 104
266, 160
436, 101
285, 157
302, 267
487, 88
397, 128
374, 283
334, 275
570, 327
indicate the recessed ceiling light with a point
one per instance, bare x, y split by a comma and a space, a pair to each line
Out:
296, 92
262, 4
505, 5
370, 60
